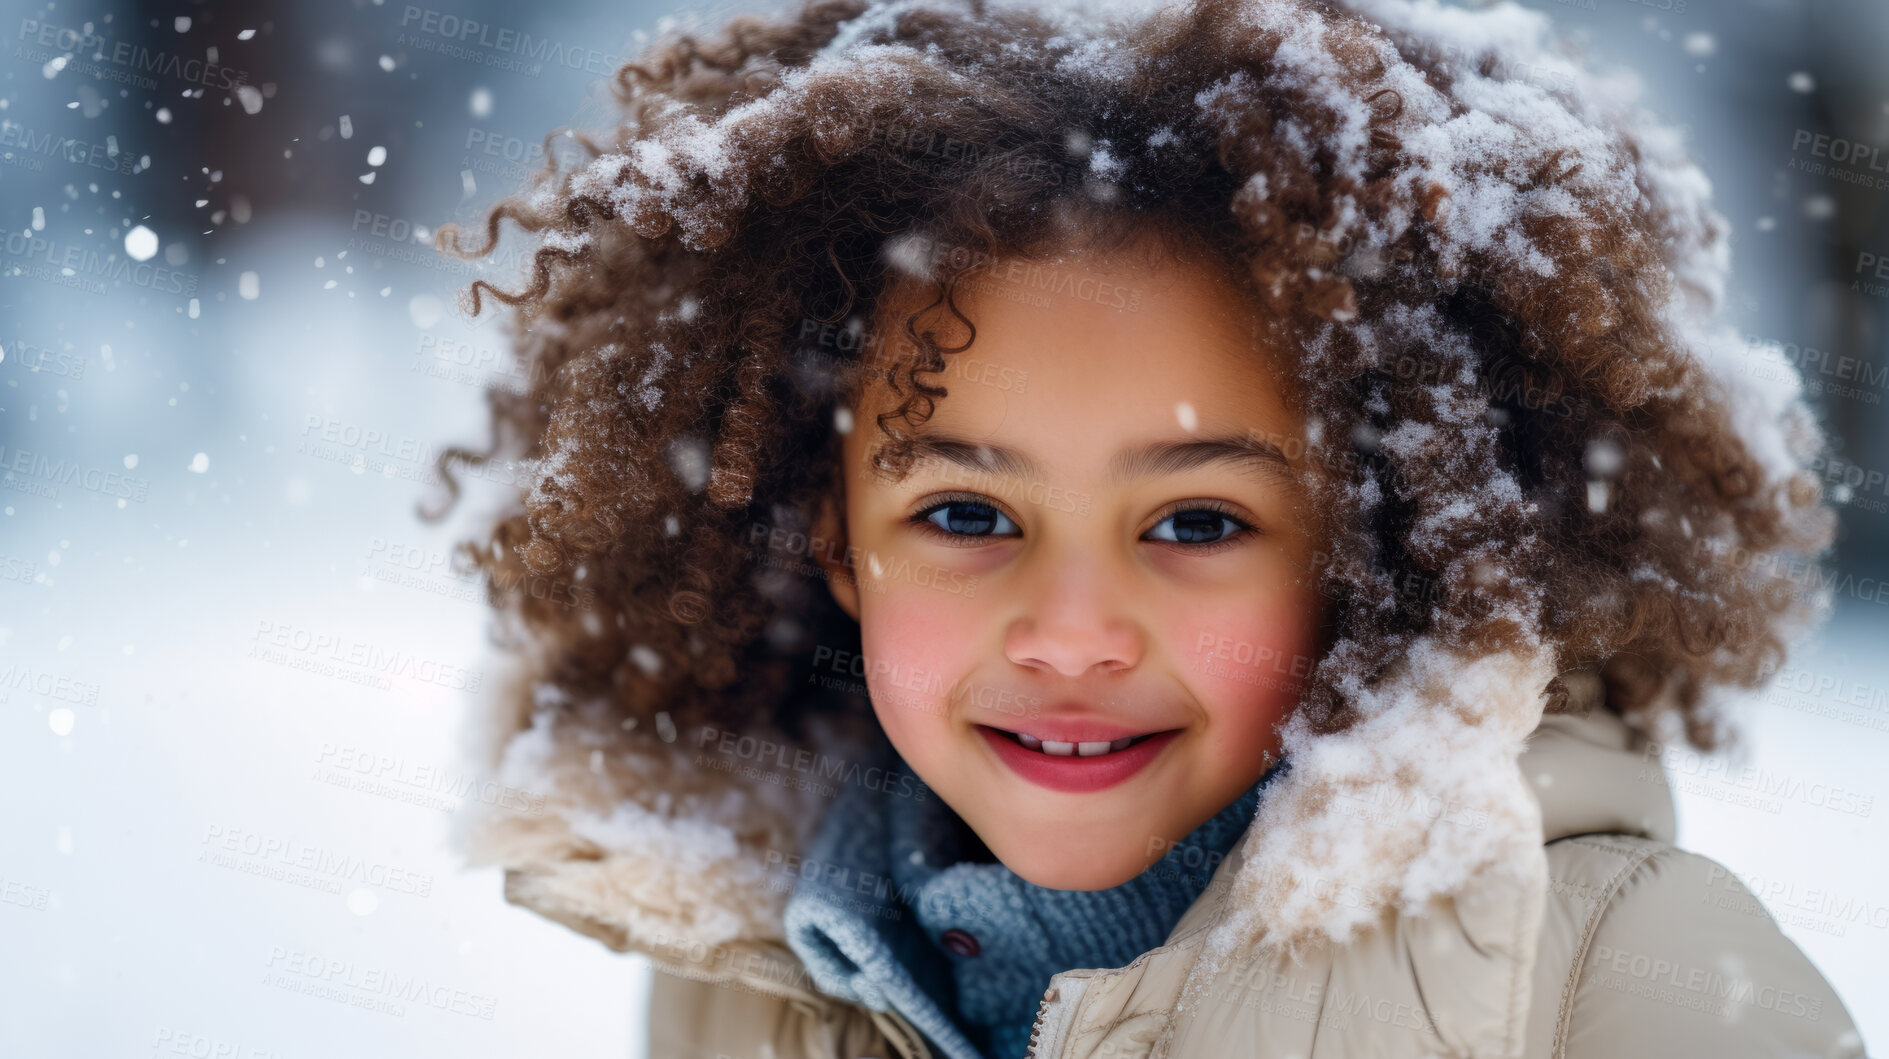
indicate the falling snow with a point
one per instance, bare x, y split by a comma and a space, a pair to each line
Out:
1448, 725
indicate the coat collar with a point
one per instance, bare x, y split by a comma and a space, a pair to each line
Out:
677, 840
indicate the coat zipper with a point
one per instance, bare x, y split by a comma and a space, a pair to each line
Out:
1036, 1028
1054, 1013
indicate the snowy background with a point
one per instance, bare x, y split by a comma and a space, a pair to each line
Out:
229, 646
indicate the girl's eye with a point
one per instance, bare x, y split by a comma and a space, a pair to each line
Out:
1198, 526
966, 518
1202, 529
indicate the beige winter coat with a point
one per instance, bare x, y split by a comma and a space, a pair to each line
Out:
1595, 938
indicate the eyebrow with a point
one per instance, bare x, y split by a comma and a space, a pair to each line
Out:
1252, 455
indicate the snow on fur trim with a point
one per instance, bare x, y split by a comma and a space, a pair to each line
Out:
1416, 802
1420, 800
633, 832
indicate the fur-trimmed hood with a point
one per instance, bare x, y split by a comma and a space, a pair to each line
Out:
654, 833
1430, 807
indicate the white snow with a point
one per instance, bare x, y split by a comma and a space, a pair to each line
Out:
567, 241
1506, 106
689, 459
647, 389
140, 242
1765, 410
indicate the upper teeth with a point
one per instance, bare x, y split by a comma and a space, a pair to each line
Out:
1060, 749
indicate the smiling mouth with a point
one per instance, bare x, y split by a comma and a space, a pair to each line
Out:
1056, 748
1077, 766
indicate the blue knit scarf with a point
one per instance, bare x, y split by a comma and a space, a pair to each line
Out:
886, 913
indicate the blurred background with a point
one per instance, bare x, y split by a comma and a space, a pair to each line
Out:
228, 643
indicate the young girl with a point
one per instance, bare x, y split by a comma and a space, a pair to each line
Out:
1178, 531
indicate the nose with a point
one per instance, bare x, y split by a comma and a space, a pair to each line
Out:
1073, 626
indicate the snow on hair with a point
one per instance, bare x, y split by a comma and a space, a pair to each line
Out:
1499, 279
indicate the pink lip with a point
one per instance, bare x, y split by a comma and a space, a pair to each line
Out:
1073, 773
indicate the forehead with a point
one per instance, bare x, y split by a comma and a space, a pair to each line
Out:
1080, 354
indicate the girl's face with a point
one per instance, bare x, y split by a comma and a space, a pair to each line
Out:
1087, 607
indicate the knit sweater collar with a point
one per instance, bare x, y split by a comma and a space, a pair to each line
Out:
888, 913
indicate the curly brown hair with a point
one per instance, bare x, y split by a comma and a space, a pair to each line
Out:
1499, 287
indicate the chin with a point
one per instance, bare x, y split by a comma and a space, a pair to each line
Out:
1055, 867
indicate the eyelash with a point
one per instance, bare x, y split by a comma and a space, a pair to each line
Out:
922, 519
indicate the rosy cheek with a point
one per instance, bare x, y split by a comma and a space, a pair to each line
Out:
917, 645
1247, 665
